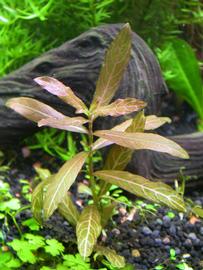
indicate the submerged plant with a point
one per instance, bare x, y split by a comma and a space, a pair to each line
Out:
182, 74
51, 194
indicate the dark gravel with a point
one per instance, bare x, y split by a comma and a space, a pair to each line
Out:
144, 244
154, 239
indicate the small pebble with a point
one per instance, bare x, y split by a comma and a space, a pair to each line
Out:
158, 241
192, 236
146, 230
116, 231
155, 233
166, 240
188, 243
135, 253
172, 230
159, 221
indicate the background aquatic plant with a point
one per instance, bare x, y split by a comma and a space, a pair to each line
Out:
25, 25
182, 73
51, 194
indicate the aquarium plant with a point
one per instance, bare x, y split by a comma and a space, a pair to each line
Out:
182, 74
52, 193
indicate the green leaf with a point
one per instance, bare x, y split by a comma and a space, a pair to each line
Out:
198, 211
115, 63
73, 124
14, 263
153, 122
24, 250
65, 93
57, 189
84, 189
13, 204
148, 141
54, 247
68, 210
76, 262
121, 107
42, 173
32, 109
32, 224
35, 241
46, 268
61, 267
154, 191
87, 230
111, 255
182, 72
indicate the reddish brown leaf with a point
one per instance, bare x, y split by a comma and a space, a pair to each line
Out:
65, 93
32, 109
67, 123
115, 62
121, 107
139, 140
153, 122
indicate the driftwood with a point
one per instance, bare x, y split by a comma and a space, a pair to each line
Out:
77, 63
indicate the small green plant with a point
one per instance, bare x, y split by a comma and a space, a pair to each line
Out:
51, 194
173, 261
180, 185
182, 73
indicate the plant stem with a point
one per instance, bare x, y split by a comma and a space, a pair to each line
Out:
15, 223
90, 161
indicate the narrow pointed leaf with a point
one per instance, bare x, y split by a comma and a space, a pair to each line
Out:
111, 255
148, 141
121, 107
154, 191
100, 143
115, 63
68, 210
87, 230
38, 197
32, 109
73, 124
52, 85
153, 122
65, 93
65, 177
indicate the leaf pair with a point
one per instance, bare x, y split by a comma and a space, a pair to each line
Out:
45, 115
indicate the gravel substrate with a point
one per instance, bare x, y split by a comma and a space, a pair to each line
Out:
144, 244
150, 242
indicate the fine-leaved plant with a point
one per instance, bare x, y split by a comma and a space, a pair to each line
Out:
52, 193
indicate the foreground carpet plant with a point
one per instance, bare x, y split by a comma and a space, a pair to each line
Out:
51, 194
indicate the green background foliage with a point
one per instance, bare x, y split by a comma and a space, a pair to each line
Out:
30, 27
